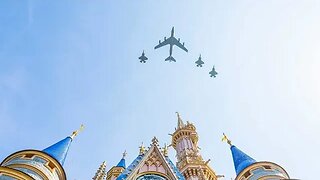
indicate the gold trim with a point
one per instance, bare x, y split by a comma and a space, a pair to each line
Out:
43, 155
260, 164
14, 174
114, 171
32, 168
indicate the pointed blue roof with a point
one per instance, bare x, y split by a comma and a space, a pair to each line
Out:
59, 150
128, 170
122, 163
240, 159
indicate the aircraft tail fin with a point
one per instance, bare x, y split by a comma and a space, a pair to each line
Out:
170, 58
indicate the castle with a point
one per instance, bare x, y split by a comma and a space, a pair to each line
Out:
151, 163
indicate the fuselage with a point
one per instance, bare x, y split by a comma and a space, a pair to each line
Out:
171, 41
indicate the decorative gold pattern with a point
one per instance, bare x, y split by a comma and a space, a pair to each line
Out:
114, 172
153, 159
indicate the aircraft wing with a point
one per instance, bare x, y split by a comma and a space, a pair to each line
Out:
167, 41
177, 43
213, 72
199, 62
143, 58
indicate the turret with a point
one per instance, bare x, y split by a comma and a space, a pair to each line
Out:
190, 162
248, 168
115, 171
38, 165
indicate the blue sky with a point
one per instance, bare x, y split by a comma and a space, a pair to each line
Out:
64, 63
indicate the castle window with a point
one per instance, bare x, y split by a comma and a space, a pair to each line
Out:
29, 156
51, 165
247, 174
267, 167
151, 177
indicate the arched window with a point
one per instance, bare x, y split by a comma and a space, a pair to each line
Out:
151, 177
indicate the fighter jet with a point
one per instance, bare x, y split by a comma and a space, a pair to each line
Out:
171, 41
199, 62
143, 58
213, 72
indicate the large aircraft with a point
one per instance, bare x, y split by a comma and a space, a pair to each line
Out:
143, 58
199, 62
213, 73
171, 41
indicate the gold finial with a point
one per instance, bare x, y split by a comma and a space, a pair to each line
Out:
75, 133
225, 138
124, 154
165, 150
141, 149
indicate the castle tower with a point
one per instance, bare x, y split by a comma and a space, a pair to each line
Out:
249, 169
115, 171
101, 172
38, 165
190, 163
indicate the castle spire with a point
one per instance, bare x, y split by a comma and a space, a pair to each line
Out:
246, 166
101, 172
180, 122
122, 162
60, 149
240, 159
115, 171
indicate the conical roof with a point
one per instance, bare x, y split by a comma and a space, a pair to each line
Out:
240, 159
122, 162
59, 150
